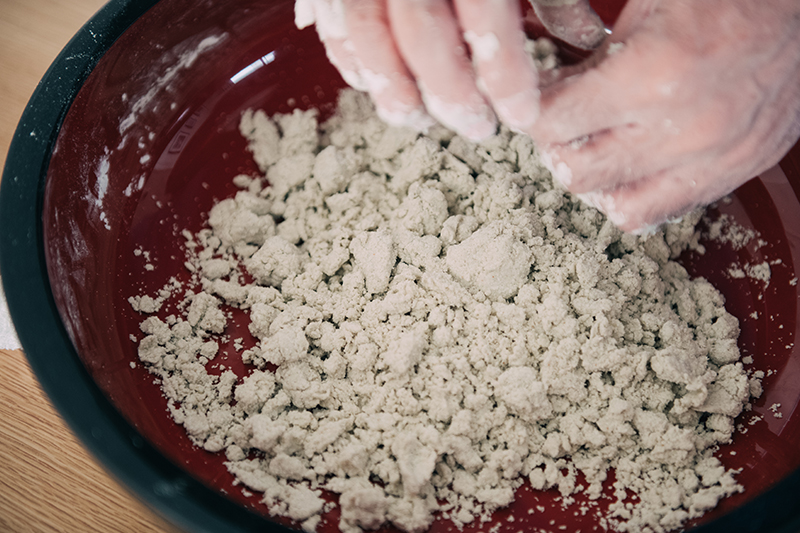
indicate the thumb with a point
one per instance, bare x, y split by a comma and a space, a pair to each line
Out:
572, 21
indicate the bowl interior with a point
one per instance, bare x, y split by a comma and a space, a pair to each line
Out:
151, 143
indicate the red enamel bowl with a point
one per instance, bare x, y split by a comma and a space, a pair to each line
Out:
132, 136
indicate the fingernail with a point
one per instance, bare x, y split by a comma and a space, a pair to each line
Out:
416, 119
350, 71
476, 121
375, 83
519, 111
351, 77
592, 37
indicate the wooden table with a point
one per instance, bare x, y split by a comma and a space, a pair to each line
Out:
48, 481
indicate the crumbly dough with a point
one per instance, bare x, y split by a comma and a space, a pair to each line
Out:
435, 322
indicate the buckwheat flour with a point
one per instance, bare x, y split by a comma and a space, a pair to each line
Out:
435, 323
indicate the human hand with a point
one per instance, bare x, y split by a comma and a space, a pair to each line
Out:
461, 62
682, 104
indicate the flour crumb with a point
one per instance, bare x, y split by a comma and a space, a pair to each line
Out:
760, 271
147, 304
725, 230
736, 272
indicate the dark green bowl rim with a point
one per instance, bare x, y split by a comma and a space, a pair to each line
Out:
164, 486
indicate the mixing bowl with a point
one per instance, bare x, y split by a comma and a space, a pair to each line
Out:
133, 134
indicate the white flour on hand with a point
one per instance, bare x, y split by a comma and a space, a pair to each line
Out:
443, 324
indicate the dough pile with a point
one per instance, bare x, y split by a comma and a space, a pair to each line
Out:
434, 323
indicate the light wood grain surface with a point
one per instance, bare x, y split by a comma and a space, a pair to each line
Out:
48, 482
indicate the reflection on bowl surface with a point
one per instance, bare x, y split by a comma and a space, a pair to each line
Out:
151, 143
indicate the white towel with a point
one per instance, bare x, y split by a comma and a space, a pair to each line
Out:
8, 335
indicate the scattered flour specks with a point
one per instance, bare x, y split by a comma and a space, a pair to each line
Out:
725, 230
435, 323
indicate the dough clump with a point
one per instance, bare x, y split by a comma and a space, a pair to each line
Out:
435, 322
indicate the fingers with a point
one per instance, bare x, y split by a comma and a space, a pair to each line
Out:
382, 71
328, 17
628, 71
682, 104
462, 61
430, 40
641, 205
505, 72
605, 93
606, 136
463, 92
573, 21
